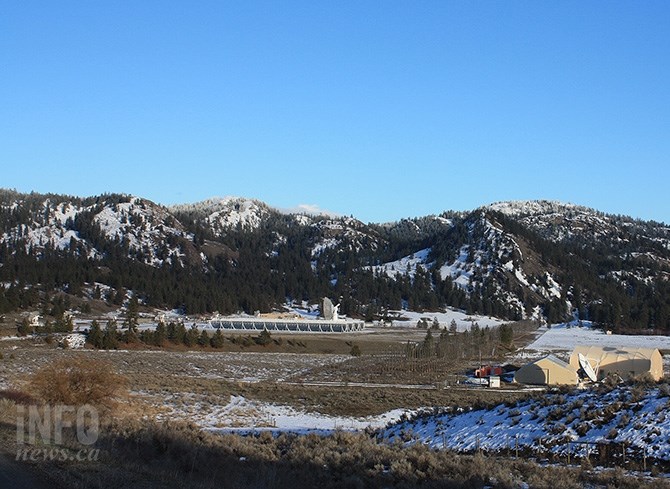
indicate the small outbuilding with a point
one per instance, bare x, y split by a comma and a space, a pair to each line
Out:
624, 361
549, 370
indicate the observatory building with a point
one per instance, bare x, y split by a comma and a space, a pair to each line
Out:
626, 362
332, 322
549, 370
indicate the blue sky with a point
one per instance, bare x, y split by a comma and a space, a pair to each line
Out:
378, 109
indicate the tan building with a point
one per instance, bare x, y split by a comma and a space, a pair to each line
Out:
626, 362
547, 371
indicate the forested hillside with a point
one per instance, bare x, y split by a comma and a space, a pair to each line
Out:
511, 260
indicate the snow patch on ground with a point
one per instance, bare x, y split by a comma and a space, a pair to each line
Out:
464, 322
565, 336
246, 415
554, 423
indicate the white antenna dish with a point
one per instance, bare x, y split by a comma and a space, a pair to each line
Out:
587, 368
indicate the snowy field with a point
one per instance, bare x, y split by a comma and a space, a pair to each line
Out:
245, 415
564, 337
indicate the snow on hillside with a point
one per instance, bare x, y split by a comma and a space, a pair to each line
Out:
243, 212
224, 213
565, 336
343, 233
460, 270
493, 257
144, 227
560, 221
405, 265
552, 423
324, 244
302, 219
533, 207
148, 230
49, 229
464, 322
305, 310
489, 248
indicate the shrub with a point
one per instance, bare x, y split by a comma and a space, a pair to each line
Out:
644, 379
624, 420
78, 381
582, 429
637, 393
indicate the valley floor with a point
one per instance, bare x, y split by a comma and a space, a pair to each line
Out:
186, 409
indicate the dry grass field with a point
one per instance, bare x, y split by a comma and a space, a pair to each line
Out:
327, 383
160, 431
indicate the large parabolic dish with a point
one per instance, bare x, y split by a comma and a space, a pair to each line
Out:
587, 368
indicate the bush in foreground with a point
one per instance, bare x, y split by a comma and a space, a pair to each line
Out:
77, 381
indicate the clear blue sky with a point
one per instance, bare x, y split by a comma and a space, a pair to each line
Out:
378, 109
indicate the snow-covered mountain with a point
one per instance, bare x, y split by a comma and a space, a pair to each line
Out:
565, 222
148, 232
343, 233
223, 214
510, 259
221, 217
639, 249
525, 254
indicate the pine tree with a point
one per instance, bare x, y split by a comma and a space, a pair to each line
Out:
506, 334
160, 334
191, 336
110, 339
217, 339
95, 335
132, 314
453, 327
427, 345
203, 339
180, 333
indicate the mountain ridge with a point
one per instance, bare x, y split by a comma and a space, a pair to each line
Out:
514, 260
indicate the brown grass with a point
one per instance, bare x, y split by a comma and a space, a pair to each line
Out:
17, 396
175, 455
140, 453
